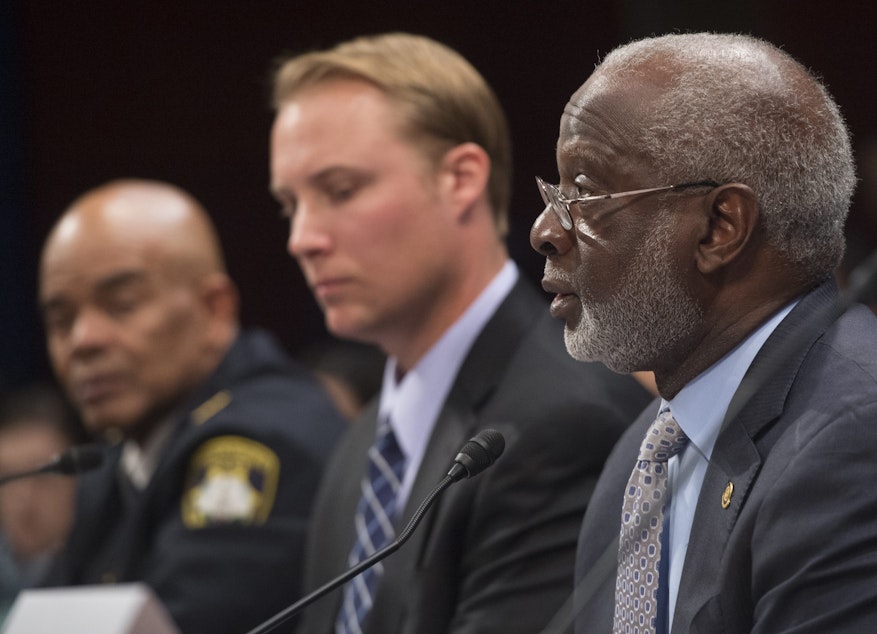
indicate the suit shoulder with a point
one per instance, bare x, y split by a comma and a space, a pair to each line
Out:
542, 380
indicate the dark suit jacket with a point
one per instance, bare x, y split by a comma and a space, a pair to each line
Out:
796, 549
495, 554
223, 577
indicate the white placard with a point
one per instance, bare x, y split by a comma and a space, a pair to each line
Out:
112, 609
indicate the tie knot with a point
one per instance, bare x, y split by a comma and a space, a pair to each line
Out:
664, 439
385, 435
386, 456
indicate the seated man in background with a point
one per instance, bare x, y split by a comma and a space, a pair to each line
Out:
36, 512
222, 438
391, 156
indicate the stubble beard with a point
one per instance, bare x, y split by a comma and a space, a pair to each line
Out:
650, 312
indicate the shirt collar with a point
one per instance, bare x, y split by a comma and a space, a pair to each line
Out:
700, 406
413, 404
139, 462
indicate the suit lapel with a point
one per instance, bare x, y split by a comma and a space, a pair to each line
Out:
458, 420
737, 466
747, 433
479, 375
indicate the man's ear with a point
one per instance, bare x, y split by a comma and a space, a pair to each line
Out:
220, 297
732, 217
465, 171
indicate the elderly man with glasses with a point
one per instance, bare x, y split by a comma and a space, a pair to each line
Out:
743, 499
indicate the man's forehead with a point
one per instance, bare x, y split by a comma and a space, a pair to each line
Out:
97, 274
631, 85
619, 102
601, 131
90, 259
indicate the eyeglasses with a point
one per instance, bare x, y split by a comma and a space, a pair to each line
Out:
560, 204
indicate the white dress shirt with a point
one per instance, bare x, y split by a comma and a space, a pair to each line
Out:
414, 403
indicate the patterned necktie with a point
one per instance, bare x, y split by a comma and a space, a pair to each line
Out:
374, 527
639, 550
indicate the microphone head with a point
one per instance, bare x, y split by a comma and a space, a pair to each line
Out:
79, 458
477, 454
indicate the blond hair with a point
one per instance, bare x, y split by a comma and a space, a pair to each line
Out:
445, 100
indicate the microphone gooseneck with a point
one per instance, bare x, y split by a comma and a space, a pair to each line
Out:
74, 460
475, 456
78, 459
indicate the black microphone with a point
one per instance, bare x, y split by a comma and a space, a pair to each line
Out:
475, 456
74, 460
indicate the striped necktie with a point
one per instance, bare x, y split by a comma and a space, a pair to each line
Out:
374, 527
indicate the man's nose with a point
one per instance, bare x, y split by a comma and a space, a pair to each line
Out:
547, 236
308, 234
91, 330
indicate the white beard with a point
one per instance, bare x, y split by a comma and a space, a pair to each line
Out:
648, 314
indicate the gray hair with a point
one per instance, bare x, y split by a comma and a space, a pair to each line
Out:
738, 109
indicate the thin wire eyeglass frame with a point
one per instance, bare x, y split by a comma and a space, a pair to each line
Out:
552, 197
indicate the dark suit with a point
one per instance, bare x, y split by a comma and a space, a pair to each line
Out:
796, 549
224, 576
495, 554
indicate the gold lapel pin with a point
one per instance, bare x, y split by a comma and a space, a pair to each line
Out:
726, 496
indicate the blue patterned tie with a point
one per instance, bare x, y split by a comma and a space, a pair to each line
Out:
642, 518
374, 527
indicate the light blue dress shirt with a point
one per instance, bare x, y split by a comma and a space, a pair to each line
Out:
700, 408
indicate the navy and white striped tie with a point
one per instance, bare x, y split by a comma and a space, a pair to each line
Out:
374, 527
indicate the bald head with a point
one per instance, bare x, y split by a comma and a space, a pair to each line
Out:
149, 215
137, 305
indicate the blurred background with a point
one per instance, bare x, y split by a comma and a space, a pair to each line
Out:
178, 91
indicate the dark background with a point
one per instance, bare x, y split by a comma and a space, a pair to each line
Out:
178, 91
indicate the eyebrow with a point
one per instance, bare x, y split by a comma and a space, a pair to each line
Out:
122, 278
110, 283
319, 179
588, 163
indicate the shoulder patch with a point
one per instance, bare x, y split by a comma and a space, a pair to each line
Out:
231, 480
211, 407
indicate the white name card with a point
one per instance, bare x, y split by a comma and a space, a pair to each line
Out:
112, 609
